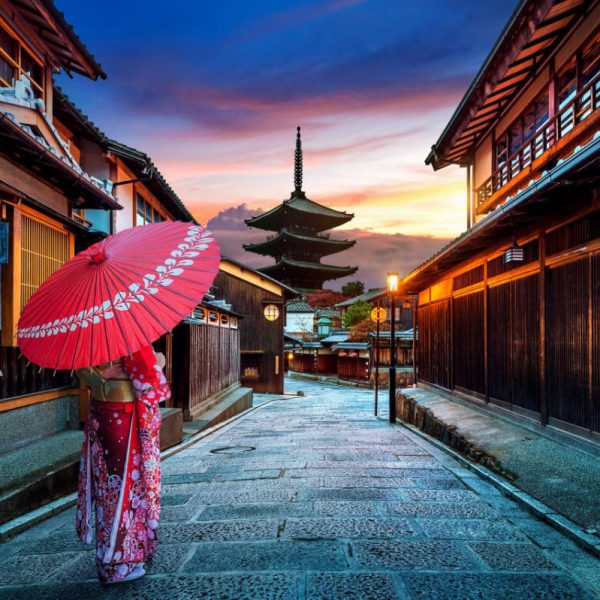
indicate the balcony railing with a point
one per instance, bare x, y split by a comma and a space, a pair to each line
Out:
584, 104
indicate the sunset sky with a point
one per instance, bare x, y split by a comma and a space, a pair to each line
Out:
213, 91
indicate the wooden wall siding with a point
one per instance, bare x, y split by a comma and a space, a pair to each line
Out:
403, 356
470, 277
497, 266
595, 343
575, 233
206, 360
525, 343
256, 333
20, 379
500, 343
349, 367
434, 347
327, 364
567, 312
468, 346
303, 363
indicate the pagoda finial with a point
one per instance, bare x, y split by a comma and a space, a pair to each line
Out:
298, 163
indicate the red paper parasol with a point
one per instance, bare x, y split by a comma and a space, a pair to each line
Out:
118, 296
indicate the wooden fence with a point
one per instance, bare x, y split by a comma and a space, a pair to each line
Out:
206, 360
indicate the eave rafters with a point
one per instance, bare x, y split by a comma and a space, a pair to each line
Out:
62, 47
523, 47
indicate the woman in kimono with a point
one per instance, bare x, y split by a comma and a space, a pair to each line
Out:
120, 464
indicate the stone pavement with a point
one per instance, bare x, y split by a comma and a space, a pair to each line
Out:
559, 474
312, 497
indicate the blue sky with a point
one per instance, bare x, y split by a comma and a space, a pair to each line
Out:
213, 92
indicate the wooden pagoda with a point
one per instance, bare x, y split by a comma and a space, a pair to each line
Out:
299, 242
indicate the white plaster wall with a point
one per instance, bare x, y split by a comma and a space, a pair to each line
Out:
299, 322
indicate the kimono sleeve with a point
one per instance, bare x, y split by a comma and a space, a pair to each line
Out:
147, 378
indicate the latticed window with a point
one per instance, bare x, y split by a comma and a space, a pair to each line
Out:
16, 60
43, 250
145, 213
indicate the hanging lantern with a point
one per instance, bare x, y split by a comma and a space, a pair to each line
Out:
513, 254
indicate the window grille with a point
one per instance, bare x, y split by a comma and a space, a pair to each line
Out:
43, 250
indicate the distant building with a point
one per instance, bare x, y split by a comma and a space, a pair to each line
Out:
299, 318
509, 312
261, 301
380, 296
300, 243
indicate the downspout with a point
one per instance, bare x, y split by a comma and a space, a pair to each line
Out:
468, 196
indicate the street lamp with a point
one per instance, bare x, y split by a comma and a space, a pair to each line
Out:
392, 288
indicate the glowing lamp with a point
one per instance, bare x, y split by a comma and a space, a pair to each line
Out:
392, 282
513, 254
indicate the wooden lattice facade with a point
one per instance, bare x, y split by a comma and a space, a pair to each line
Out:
524, 334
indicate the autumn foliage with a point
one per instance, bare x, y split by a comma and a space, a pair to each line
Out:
325, 298
360, 331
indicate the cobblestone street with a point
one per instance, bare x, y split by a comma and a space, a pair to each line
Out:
313, 497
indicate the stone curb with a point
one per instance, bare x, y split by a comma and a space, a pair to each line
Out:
587, 541
12, 528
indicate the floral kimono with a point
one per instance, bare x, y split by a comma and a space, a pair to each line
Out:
120, 472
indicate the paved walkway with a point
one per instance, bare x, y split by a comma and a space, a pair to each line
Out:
564, 477
312, 497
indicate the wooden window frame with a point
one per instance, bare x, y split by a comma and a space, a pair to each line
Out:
11, 272
17, 64
148, 205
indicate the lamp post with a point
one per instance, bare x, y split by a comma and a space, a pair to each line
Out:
392, 288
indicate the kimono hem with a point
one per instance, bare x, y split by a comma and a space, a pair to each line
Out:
120, 472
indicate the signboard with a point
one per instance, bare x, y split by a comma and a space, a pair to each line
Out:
3, 243
378, 315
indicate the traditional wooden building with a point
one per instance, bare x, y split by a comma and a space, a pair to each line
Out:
260, 300
300, 243
43, 187
353, 361
509, 312
206, 350
380, 297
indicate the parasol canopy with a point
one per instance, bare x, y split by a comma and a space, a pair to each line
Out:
118, 296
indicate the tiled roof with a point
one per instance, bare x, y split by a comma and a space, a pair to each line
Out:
406, 334
308, 266
335, 338
298, 306
136, 159
365, 297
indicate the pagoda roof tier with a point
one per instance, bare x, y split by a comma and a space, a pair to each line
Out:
287, 269
287, 240
302, 213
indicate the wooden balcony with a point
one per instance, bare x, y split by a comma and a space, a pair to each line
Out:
572, 125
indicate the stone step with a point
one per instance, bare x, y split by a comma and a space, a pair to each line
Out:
48, 469
236, 401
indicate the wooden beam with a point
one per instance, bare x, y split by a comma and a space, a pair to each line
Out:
63, 37
22, 401
590, 344
486, 337
11, 278
542, 322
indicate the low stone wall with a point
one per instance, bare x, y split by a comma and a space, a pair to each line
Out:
25, 425
411, 412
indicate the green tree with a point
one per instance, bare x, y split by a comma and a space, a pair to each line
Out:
353, 288
356, 312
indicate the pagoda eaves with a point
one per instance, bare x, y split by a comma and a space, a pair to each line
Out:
303, 213
305, 275
287, 241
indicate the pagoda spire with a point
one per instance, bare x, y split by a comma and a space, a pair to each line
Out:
298, 164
